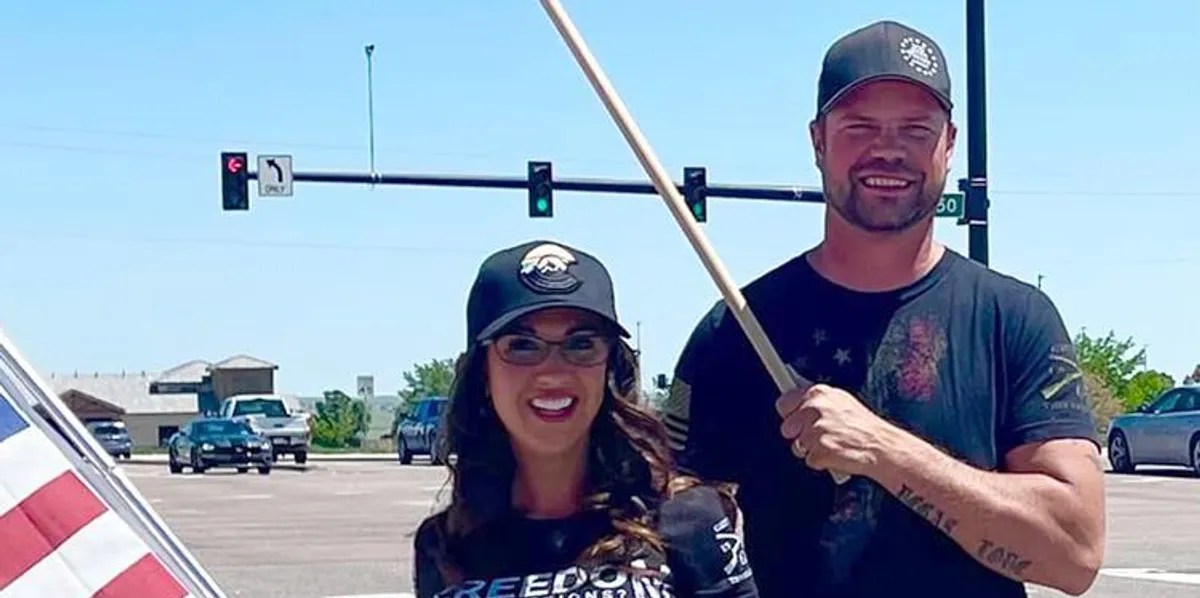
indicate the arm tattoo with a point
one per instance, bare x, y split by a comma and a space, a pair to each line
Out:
1002, 558
926, 509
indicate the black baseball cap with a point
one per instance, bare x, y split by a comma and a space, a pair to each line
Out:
537, 275
882, 50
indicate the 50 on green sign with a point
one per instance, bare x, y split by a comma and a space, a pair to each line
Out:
951, 205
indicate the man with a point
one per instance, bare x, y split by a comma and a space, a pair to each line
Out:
948, 392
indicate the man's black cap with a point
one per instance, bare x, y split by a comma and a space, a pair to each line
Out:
536, 275
882, 50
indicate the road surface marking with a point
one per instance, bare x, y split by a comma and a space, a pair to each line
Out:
1192, 579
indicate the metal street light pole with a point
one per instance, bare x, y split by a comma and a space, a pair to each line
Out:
370, 50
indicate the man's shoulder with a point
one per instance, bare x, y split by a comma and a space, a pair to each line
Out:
760, 293
1005, 291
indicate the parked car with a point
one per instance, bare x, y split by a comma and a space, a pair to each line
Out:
112, 435
1165, 431
207, 442
270, 416
417, 432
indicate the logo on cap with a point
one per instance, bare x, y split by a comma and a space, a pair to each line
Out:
919, 55
546, 269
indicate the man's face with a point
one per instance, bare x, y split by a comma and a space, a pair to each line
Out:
884, 151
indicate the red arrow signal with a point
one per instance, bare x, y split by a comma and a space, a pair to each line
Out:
234, 164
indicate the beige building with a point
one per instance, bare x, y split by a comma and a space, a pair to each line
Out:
154, 405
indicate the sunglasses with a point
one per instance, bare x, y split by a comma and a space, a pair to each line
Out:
581, 349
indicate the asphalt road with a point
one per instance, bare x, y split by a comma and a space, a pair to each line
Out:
343, 528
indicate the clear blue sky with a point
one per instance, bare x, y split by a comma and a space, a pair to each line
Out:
117, 255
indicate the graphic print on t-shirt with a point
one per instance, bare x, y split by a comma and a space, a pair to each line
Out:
902, 368
906, 365
605, 581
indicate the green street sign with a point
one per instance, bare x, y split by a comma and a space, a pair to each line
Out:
951, 205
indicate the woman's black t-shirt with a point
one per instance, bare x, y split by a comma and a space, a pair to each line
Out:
536, 558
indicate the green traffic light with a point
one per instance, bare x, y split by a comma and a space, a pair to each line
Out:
542, 204
697, 210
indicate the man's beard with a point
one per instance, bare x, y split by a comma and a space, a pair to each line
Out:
883, 216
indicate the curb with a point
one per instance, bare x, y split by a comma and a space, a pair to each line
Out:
161, 458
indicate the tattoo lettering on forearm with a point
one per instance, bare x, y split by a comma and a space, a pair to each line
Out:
926, 509
1002, 558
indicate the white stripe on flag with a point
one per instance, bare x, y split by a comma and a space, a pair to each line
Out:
28, 461
84, 563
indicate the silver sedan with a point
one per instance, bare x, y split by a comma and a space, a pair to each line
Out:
1165, 431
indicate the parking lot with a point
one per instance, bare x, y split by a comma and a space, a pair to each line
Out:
341, 528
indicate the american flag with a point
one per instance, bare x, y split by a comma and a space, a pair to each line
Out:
58, 539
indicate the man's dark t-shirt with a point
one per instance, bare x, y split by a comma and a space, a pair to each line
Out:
973, 361
520, 557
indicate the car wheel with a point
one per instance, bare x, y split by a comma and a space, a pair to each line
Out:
1118, 453
172, 464
197, 465
402, 452
301, 457
1196, 454
264, 469
243, 469
435, 453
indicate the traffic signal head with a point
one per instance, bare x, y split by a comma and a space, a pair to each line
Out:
541, 190
695, 192
235, 182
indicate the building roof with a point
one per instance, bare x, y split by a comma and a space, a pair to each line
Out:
130, 391
192, 371
243, 362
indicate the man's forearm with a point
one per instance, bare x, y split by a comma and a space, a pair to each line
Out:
1025, 526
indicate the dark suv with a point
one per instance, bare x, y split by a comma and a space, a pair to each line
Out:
417, 432
112, 435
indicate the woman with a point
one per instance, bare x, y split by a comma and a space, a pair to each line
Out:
562, 484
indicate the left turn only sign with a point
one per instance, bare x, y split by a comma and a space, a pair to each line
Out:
275, 176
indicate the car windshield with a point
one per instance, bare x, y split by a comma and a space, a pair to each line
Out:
108, 429
221, 428
267, 407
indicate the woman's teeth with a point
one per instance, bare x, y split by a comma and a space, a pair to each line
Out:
556, 404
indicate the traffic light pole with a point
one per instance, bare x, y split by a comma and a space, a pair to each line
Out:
773, 193
975, 185
540, 185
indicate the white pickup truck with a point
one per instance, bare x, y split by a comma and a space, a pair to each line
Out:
270, 416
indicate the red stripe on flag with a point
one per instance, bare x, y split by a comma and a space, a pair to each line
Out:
146, 578
43, 521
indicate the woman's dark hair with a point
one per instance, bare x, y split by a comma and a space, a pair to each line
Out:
629, 473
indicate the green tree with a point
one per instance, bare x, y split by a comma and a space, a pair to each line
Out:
1100, 398
430, 379
1144, 387
340, 420
1109, 359
1192, 378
